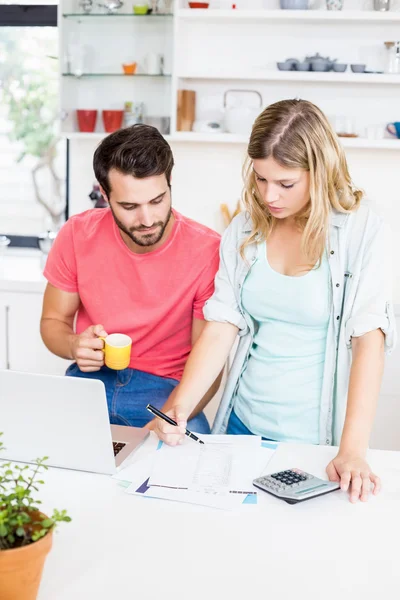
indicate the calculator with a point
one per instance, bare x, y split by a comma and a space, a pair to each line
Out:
294, 485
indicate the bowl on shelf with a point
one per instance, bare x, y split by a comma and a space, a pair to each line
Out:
339, 67
303, 66
129, 68
140, 9
86, 120
284, 66
358, 68
112, 120
199, 4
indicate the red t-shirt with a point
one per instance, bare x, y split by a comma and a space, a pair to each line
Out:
151, 297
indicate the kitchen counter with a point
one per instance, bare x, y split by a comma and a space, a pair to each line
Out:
21, 270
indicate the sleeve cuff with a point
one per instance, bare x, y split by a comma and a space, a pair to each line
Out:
360, 325
60, 285
217, 311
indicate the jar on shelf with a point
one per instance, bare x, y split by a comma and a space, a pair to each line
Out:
381, 5
393, 58
133, 113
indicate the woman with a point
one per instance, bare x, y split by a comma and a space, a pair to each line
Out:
302, 281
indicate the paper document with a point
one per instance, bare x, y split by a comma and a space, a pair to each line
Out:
218, 474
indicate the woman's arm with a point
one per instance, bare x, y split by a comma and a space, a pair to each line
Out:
350, 466
204, 365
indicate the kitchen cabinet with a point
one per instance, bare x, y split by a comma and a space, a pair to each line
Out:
21, 347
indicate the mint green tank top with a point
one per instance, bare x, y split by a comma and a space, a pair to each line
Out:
279, 392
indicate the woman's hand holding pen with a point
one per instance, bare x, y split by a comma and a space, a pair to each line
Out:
170, 434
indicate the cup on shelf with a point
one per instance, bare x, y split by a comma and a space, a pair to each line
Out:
375, 132
86, 120
394, 129
112, 120
140, 9
129, 68
154, 63
381, 5
344, 126
334, 4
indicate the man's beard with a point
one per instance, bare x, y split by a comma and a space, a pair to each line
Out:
144, 240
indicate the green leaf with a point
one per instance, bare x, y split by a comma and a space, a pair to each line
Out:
47, 523
20, 532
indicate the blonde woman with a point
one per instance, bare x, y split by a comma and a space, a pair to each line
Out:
303, 282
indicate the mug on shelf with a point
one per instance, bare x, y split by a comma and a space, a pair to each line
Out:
154, 63
86, 120
394, 129
112, 120
117, 351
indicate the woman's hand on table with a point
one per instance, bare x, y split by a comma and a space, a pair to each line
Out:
354, 474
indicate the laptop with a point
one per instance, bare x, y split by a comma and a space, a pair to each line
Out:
64, 418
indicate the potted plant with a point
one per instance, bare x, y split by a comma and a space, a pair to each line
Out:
25, 532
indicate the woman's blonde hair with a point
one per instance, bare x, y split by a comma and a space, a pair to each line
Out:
296, 134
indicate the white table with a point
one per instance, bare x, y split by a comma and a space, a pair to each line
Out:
125, 547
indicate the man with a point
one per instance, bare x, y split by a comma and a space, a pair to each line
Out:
138, 268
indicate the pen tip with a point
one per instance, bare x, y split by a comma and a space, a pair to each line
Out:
201, 442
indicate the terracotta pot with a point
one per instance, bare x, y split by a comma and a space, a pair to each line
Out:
86, 120
112, 120
21, 569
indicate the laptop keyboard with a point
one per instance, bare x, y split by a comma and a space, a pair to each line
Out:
118, 447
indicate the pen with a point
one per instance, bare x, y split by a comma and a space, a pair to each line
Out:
157, 413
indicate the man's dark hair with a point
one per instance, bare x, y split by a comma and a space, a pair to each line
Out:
139, 150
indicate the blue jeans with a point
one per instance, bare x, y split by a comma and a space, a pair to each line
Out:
237, 427
129, 391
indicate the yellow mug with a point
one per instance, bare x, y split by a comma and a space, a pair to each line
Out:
117, 351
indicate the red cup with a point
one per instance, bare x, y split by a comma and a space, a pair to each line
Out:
86, 120
112, 120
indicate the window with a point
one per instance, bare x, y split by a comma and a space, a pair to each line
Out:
32, 155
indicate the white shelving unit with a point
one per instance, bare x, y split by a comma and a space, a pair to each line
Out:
299, 77
246, 45
93, 49
297, 16
229, 138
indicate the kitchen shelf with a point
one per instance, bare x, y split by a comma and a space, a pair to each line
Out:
95, 136
326, 16
114, 15
167, 76
384, 144
230, 138
298, 76
210, 138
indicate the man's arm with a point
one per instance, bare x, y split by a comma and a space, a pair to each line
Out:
56, 329
197, 328
56, 324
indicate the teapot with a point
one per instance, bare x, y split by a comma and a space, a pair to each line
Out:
320, 63
239, 116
